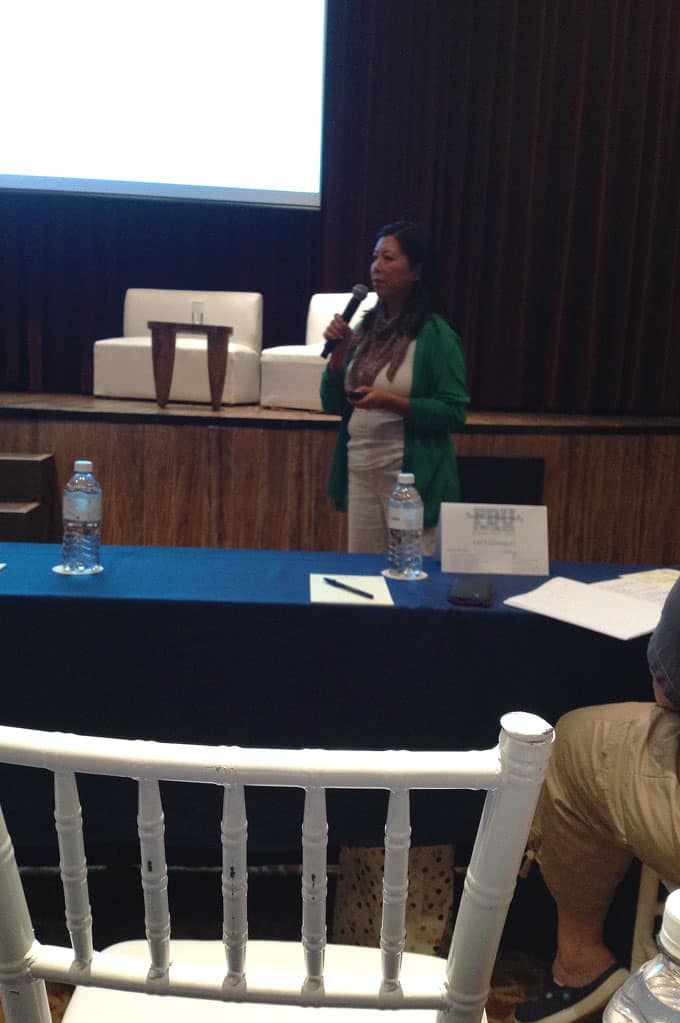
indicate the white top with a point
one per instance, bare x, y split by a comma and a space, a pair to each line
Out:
83, 465
376, 437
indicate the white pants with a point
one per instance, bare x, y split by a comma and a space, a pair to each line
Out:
367, 505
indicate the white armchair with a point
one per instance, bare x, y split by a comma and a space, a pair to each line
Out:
123, 365
291, 374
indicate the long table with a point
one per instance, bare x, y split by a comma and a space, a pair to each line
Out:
224, 647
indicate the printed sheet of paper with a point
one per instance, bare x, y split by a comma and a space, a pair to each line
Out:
321, 593
658, 576
655, 578
498, 539
591, 607
634, 586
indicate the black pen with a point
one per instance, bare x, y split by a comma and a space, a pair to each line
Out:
344, 586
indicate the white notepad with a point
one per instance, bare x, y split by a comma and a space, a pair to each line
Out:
592, 607
321, 593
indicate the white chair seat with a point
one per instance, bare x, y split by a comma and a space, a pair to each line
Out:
291, 377
123, 369
291, 374
294, 353
123, 366
284, 957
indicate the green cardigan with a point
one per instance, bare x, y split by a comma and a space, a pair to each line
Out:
437, 407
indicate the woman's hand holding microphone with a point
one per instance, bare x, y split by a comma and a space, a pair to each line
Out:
364, 397
343, 336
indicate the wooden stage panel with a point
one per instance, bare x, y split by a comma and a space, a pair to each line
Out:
660, 499
197, 485
611, 497
255, 478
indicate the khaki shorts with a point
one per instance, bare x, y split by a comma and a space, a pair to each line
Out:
611, 793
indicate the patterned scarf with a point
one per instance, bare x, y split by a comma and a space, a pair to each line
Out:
383, 344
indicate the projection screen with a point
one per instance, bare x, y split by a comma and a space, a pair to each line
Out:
210, 100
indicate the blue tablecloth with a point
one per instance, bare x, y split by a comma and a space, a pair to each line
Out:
224, 647
203, 575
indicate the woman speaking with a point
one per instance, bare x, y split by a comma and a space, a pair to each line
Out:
399, 385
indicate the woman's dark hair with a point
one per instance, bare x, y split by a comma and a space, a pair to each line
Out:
424, 299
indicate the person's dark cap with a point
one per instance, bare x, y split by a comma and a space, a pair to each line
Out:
663, 651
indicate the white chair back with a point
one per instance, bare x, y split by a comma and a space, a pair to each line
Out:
512, 773
241, 310
322, 308
652, 893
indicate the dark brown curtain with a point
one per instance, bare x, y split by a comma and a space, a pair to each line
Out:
66, 262
538, 139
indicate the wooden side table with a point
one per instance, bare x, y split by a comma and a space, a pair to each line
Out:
163, 342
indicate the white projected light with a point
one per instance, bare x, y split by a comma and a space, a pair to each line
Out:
216, 99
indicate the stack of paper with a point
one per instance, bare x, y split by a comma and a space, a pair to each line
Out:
591, 606
654, 584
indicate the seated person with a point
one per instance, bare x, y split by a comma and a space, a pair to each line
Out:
611, 793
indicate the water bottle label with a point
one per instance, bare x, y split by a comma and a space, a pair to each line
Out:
403, 517
82, 507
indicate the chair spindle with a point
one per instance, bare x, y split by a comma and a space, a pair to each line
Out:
314, 883
395, 887
154, 871
23, 998
234, 833
68, 819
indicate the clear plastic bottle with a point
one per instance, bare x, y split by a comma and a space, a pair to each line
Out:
82, 518
652, 994
405, 529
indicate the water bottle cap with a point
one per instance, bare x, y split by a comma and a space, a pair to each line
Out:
82, 465
406, 477
669, 935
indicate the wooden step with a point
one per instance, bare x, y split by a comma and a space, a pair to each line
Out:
29, 499
21, 521
27, 477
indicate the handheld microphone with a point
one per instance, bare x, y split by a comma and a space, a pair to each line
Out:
359, 293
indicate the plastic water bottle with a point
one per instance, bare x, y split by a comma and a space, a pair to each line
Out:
405, 529
652, 994
82, 517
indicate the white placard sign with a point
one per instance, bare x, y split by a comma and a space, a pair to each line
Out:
497, 539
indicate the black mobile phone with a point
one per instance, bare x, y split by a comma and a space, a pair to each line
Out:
472, 592
356, 395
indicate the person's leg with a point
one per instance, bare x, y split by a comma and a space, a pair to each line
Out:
581, 851
430, 542
606, 797
366, 520
581, 952
387, 480
368, 509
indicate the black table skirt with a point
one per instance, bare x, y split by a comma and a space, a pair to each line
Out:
223, 647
